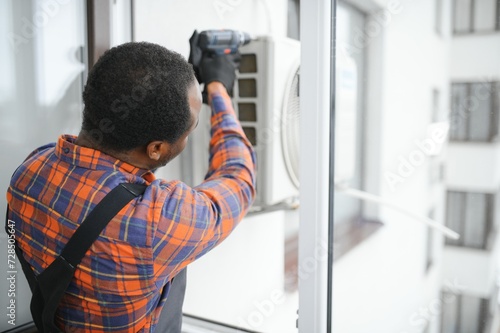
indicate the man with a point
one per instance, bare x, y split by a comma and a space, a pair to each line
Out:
141, 103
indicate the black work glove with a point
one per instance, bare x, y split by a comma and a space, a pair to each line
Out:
212, 67
195, 55
221, 68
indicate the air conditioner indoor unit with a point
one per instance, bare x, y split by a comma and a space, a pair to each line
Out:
266, 100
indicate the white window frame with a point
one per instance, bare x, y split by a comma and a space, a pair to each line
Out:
316, 173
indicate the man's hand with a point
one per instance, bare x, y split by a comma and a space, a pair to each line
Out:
220, 68
213, 68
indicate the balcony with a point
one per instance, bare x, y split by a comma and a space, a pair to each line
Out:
473, 166
482, 50
473, 270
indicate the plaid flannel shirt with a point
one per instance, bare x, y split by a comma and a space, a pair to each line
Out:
122, 282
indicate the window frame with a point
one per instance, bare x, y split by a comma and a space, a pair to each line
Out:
317, 84
458, 303
489, 214
463, 115
471, 24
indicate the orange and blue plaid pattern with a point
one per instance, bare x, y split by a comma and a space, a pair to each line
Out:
123, 281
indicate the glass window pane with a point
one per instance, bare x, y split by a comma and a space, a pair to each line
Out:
41, 73
349, 141
459, 112
383, 280
498, 15
250, 280
462, 16
438, 16
479, 102
476, 214
450, 316
7, 83
484, 15
454, 214
429, 249
495, 117
470, 314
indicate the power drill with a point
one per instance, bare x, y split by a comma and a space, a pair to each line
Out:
222, 41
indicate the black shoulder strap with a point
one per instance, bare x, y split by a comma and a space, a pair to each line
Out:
98, 218
51, 284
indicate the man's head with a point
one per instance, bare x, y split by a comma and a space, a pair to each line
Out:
141, 103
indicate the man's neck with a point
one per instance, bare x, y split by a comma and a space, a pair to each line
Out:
131, 157
83, 141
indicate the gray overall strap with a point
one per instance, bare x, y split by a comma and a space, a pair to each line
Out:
49, 286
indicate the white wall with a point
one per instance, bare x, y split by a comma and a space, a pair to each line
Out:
475, 58
171, 23
476, 269
473, 167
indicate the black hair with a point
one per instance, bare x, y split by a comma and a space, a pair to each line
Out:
137, 93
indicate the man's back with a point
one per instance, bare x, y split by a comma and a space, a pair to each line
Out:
123, 281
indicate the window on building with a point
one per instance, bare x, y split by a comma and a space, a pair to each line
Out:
471, 215
437, 110
450, 313
429, 248
498, 15
472, 313
464, 313
471, 16
474, 111
438, 14
462, 19
293, 19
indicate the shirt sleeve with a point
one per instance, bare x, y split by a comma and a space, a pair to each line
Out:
195, 220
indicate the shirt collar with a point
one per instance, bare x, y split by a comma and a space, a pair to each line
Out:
89, 158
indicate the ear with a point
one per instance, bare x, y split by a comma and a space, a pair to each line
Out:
156, 149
